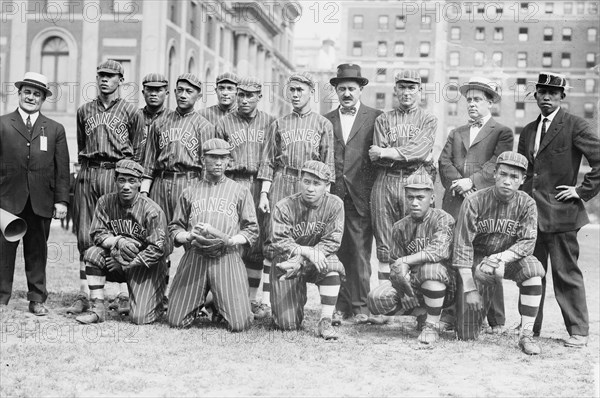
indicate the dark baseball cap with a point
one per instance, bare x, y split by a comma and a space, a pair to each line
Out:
110, 66
250, 84
191, 79
319, 169
419, 181
513, 159
216, 146
130, 167
228, 77
155, 80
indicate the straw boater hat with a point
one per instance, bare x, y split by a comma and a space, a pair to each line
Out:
483, 84
35, 80
551, 79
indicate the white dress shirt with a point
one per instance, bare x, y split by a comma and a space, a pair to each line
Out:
347, 121
32, 116
538, 134
474, 130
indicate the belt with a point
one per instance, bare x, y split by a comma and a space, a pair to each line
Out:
291, 171
102, 165
242, 175
177, 174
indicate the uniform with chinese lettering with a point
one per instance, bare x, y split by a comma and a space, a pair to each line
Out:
149, 118
227, 206
217, 112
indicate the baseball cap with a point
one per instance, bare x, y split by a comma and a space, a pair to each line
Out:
191, 79
303, 77
408, 75
319, 169
513, 159
419, 181
155, 80
130, 167
228, 77
250, 84
110, 66
216, 146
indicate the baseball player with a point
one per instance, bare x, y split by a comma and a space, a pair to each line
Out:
421, 258
494, 238
291, 141
108, 130
224, 209
307, 233
226, 90
245, 130
402, 144
155, 88
130, 245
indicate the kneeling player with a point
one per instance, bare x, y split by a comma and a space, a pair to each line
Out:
131, 245
494, 238
307, 233
420, 252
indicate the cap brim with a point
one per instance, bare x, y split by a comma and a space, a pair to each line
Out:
250, 89
199, 87
217, 152
19, 84
419, 186
548, 85
111, 71
474, 86
155, 84
362, 81
227, 80
128, 172
312, 172
508, 163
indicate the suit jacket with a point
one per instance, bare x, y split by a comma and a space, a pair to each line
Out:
477, 161
567, 139
354, 174
27, 172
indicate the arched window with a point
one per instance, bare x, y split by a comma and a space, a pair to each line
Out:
55, 65
191, 65
172, 71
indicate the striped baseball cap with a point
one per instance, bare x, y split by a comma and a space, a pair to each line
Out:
302, 77
318, 169
250, 84
191, 79
216, 146
513, 159
228, 77
130, 167
110, 66
419, 180
155, 80
408, 75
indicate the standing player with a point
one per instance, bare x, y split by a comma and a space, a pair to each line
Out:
494, 238
130, 245
219, 204
421, 255
291, 141
155, 88
226, 91
245, 130
402, 145
108, 130
307, 233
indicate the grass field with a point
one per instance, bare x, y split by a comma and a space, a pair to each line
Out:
54, 356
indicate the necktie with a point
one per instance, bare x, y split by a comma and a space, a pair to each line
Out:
28, 124
351, 110
543, 131
475, 123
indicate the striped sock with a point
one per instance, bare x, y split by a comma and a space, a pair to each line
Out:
168, 271
530, 294
254, 270
123, 290
83, 283
433, 293
384, 272
96, 281
266, 282
329, 288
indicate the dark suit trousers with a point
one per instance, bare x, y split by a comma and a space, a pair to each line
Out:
35, 251
563, 249
355, 255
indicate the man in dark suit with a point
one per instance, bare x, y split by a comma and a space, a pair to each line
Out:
468, 161
34, 175
353, 125
554, 144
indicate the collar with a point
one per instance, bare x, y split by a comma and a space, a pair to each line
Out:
407, 110
249, 117
302, 115
33, 116
133, 202
158, 112
551, 116
485, 119
184, 114
207, 181
313, 205
228, 109
500, 199
110, 104
422, 220
357, 106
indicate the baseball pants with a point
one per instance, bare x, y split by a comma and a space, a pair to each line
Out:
166, 192
387, 207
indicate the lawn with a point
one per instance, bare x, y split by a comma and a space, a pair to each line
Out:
55, 356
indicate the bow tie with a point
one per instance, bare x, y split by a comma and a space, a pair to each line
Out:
351, 110
476, 123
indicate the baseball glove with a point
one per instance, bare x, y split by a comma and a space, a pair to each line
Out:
211, 242
485, 271
400, 278
125, 250
289, 269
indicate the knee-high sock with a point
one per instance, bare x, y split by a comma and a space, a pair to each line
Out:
433, 293
254, 271
266, 282
123, 290
96, 282
530, 295
329, 289
384, 272
167, 277
83, 283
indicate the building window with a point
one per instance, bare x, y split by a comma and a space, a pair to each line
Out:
452, 109
381, 75
222, 42
424, 49
400, 22
549, 8
479, 33
568, 8
478, 59
588, 110
55, 66
481, 10
524, 6
426, 22
565, 60
191, 67
382, 49
523, 35
380, 100
497, 58
357, 49
580, 7
548, 33
455, 33
521, 81
592, 8
547, 59
209, 32
424, 73
520, 109
590, 85
592, 33
383, 22
453, 84
498, 34
566, 34
521, 60
454, 58
357, 21
590, 60
399, 49
173, 11
192, 27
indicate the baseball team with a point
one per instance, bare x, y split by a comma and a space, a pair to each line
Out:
257, 200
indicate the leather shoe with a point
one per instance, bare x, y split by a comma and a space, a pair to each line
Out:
338, 317
576, 341
359, 319
37, 308
528, 345
379, 319
325, 330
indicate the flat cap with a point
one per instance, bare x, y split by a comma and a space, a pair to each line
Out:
130, 167
228, 77
155, 80
110, 66
216, 146
551, 79
250, 84
303, 77
513, 159
318, 169
419, 181
191, 79
408, 75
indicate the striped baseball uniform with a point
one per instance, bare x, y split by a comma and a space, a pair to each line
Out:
412, 134
297, 224
149, 118
145, 222
174, 145
216, 112
432, 236
487, 225
227, 206
104, 136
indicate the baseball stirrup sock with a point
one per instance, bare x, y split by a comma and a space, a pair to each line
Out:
530, 294
433, 293
97, 283
329, 289
266, 283
83, 283
384, 272
254, 271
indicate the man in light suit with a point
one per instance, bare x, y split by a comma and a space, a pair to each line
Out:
554, 144
34, 175
468, 161
353, 124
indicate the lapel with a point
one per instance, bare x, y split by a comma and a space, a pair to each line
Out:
37, 127
485, 131
531, 139
361, 117
337, 126
18, 124
464, 134
553, 130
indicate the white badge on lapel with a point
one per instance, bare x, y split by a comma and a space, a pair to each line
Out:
43, 141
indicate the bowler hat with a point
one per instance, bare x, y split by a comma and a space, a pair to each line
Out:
349, 72
35, 80
481, 83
